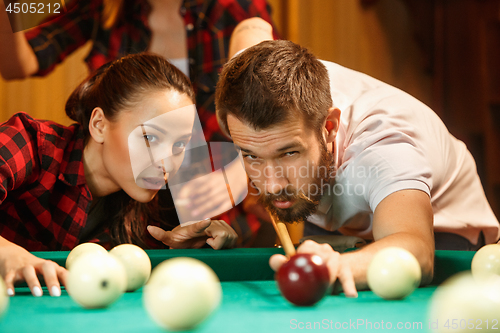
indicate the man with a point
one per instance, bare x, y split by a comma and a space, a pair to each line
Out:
346, 152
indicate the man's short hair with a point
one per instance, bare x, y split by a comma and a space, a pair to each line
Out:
271, 83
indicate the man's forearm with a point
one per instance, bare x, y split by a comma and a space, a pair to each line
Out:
359, 260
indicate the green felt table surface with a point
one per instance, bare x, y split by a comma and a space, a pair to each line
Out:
251, 302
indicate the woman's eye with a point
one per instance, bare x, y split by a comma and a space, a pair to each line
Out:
179, 147
150, 138
180, 144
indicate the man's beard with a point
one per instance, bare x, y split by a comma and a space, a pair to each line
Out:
303, 205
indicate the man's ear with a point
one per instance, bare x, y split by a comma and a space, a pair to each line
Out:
97, 124
332, 124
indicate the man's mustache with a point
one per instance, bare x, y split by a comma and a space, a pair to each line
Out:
285, 195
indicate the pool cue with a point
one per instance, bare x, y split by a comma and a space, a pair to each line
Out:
283, 235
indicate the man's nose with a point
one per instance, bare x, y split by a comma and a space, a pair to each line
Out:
275, 182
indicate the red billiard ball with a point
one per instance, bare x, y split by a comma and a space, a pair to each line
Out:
304, 279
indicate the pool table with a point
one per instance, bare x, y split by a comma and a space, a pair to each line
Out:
251, 302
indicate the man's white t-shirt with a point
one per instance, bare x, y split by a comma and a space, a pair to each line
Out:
389, 141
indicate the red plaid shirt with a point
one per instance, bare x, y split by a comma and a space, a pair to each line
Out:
44, 198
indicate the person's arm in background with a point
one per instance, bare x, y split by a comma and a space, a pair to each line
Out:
38, 50
17, 59
249, 32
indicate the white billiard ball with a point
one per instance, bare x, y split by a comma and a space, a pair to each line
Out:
486, 262
181, 293
461, 304
96, 280
4, 298
82, 249
393, 273
136, 262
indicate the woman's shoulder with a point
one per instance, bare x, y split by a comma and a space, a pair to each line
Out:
22, 121
22, 129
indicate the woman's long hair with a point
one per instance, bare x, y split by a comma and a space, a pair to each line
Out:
114, 87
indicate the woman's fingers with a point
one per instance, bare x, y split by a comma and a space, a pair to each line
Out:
31, 279
48, 269
9, 282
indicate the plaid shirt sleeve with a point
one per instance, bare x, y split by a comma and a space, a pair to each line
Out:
18, 155
54, 40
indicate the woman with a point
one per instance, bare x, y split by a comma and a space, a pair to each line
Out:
193, 35
50, 174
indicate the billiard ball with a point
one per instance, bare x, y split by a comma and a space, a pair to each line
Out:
181, 293
304, 279
486, 262
136, 263
96, 280
462, 304
4, 298
393, 273
82, 249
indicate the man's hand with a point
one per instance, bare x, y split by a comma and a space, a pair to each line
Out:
339, 270
216, 233
17, 264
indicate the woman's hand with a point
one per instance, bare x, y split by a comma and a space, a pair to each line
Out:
339, 270
17, 264
216, 233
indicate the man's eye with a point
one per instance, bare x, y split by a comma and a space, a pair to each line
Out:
250, 157
290, 153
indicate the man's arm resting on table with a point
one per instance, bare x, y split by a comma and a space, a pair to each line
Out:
403, 219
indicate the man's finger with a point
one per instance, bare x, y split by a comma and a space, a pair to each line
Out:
276, 261
347, 280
